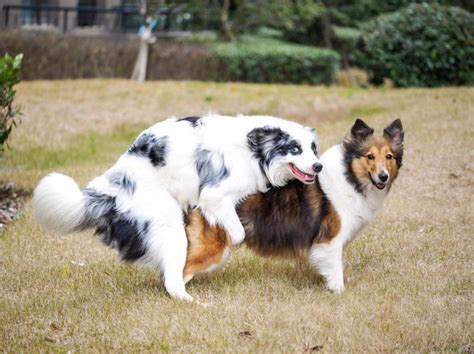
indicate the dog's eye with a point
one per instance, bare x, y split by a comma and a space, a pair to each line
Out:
294, 150
313, 147
389, 156
370, 156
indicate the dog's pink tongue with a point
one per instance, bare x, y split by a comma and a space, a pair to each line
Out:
300, 174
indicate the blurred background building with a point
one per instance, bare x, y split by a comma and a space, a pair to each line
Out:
78, 16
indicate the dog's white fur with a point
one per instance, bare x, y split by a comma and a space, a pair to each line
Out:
355, 211
152, 202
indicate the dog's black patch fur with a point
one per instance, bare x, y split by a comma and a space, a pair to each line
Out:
314, 148
193, 121
149, 146
126, 235
354, 148
118, 230
98, 206
210, 167
268, 142
284, 220
123, 181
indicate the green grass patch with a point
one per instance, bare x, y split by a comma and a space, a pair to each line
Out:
365, 111
90, 148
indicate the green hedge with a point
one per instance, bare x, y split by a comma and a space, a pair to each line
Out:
420, 45
268, 60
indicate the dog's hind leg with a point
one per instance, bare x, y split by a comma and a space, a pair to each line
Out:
173, 262
208, 246
166, 240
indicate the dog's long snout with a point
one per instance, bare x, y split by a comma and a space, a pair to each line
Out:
383, 176
317, 167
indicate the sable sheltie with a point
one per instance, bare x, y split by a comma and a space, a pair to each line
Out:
313, 221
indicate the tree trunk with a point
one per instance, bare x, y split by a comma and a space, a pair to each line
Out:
146, 38
139, 69
226, 30
327, 30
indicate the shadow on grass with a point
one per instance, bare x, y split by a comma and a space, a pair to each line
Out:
243, 271
247, 269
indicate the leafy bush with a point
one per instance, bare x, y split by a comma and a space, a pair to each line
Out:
9, 77
269, 60
420, 45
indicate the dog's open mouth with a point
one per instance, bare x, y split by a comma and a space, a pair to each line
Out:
379, 185
302, 176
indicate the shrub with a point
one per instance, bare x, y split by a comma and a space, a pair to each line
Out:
270, 60
420, 45
9, 77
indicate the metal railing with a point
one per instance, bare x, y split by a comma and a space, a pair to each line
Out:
66, 18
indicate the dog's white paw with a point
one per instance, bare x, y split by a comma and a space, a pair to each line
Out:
237, 241
179, 295
336, 286
186, 297
237, 237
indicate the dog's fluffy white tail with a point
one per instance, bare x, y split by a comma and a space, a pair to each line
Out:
58, 203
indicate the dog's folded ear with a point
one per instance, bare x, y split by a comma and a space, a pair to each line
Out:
259, 137
394, 132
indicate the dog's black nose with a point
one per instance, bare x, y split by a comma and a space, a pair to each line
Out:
317, 167
383, 176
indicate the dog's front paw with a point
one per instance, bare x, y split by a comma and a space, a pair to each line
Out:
336, 286
237, 238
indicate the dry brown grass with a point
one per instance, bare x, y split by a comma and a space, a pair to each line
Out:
409, 276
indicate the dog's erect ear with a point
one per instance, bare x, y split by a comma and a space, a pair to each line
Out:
360, 130
394, 132
353, 141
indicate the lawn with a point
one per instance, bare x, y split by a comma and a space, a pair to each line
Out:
409, 275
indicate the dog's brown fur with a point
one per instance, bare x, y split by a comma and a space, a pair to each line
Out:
282, 222
207, 244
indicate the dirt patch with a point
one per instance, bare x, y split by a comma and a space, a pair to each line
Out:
11, 202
